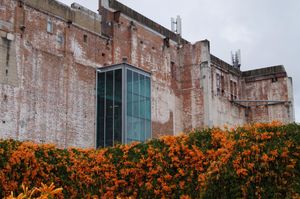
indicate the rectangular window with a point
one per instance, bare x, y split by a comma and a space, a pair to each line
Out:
85, 38
235, 90
123, 105
139, 107
231, 90
60, 39
49, 26
222, 84
218, 83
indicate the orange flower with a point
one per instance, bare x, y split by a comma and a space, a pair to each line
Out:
246, 152
255, 148
284, 154
148, 186
242, 172
266, 136
274, 153
181, 184
265, 158
166, 188
181, 172
168, 177
251, 165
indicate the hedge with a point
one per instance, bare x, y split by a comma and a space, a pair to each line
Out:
253, 161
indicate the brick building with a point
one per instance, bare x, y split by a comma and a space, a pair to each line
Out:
77, 78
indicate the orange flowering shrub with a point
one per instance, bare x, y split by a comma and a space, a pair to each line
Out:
253, 161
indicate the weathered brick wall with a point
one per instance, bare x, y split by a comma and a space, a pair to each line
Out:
226, 86
9, 90
55, 99
49, 92
268, 85
191, 85
145, 48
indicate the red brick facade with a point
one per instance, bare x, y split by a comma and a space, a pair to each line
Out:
48, 81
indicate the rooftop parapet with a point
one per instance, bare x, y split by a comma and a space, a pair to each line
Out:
76, 14
117, 6
264, 73
224, 65
272, 70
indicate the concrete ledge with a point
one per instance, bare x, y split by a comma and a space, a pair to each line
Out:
117, 6
224, 65
272, 70
76, 14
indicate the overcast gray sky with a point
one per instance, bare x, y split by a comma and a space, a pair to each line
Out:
266, 31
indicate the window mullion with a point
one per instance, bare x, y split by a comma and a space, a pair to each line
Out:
104, 118
113, 115
139, 106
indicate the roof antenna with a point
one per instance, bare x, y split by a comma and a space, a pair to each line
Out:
236, 59
178, 23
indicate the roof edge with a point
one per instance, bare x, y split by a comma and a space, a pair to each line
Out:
271, 70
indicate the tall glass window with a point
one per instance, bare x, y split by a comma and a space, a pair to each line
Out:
138, 121
123, 105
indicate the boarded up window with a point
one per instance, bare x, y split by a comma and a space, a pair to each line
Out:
8, 65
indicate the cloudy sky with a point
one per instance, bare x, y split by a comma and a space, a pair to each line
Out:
266, 31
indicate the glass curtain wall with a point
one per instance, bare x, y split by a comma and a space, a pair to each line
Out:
109, 108
123, 106
138, 121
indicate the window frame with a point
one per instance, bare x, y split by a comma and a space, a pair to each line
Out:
49, 25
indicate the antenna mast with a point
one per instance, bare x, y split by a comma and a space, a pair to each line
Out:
178, 23
236, 59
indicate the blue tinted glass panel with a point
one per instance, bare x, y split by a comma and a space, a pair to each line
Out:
109, 108
129, 93
100, 109
138, 127
136, 83
135, 94
148, 108
118, 107
147, 87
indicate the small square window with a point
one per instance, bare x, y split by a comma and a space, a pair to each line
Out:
49, 26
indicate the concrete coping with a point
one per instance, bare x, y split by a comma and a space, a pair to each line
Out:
117, 6
272, 70
224, 65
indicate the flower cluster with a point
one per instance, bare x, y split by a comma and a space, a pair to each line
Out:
260, 161
44, 192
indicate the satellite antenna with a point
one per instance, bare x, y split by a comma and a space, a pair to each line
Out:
178, 23
236, 59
